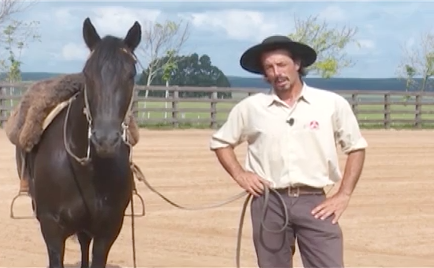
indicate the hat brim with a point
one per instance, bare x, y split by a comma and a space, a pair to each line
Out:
251, 59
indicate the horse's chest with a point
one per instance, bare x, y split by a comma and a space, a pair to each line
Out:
106, 204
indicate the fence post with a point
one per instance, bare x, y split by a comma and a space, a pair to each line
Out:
354, 104
213, 110
175, 121
417, 112
135, 107
386, 111
3, 109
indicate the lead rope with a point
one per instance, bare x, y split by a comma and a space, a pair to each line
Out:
267, 191
81, 160
136, 171
125, 126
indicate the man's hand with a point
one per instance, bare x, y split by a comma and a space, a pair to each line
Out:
335, 204
251, 182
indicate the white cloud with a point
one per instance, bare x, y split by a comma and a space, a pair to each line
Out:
108, 20
116, 20
63, 16
74, 52
410, 43
241, 24
367, 44
400, 10
333, 13
113, 20
365, 47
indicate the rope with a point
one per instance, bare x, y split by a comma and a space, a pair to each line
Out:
136, 170
133, 236
141, 177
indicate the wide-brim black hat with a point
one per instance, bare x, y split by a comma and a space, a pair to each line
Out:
251, 59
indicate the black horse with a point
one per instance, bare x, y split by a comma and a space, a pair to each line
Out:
88, 199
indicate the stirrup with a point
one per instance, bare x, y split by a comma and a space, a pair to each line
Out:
20, 194
135, 193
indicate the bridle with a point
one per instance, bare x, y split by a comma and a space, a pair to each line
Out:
86, 110
124, 125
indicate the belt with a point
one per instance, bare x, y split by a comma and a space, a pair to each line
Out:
301, 190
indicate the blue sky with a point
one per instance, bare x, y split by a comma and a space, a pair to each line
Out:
223, 30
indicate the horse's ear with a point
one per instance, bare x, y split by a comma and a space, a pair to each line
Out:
134, 36
90, 36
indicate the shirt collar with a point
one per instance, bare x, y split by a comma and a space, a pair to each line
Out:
305, 95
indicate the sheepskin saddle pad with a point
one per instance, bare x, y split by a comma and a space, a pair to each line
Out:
40, 105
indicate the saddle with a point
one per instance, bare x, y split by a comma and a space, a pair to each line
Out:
41, 104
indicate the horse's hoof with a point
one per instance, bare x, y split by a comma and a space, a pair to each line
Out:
12, 214
142, 205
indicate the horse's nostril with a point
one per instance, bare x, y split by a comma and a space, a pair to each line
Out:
98, 136
114, 137
106, 138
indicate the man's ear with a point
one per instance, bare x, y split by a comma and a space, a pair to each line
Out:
265, 79
297, 64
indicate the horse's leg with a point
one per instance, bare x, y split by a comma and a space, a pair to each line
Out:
84, 240
54, 240
103, 242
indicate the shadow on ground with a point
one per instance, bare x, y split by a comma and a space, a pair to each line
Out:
77, 265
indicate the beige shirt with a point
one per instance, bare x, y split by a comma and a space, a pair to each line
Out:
303, 153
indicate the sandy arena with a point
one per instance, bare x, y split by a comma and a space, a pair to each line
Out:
389, 222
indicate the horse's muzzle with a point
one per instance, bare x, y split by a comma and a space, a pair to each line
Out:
106, 142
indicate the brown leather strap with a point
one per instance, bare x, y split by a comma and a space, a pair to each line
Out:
301, 190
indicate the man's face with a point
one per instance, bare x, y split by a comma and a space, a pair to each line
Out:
280, 70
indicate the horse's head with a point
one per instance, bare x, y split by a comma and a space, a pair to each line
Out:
109, 75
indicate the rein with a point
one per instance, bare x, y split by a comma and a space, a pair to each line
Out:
125, 124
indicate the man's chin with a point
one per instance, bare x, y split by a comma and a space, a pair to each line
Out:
284, 87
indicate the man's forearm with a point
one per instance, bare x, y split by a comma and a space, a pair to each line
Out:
353, 170
229, 161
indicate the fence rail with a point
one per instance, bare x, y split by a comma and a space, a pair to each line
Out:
179, 107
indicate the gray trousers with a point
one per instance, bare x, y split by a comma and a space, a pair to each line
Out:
320, 242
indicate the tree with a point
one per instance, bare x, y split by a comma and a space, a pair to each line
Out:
10, 7
328, 42
15, 37
418, 62
167, 71
169, 66
190, 70
160, 39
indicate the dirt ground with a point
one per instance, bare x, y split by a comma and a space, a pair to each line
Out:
389, 222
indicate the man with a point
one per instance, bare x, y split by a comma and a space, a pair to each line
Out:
292, 134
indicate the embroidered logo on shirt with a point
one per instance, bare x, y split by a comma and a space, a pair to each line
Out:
313, 125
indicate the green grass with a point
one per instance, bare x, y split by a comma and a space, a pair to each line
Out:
364, 112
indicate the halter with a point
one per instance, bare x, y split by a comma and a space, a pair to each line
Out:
86, 111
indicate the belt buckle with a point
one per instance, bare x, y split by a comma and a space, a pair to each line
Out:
291, 193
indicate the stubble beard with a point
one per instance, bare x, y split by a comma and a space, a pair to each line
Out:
285, 88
